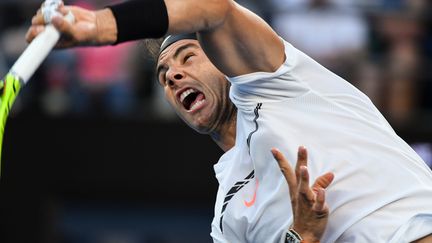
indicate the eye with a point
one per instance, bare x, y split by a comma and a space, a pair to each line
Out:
162, 79
186, 58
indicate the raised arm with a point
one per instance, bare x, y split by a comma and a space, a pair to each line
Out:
236, 40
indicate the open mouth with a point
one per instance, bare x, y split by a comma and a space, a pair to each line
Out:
192, 99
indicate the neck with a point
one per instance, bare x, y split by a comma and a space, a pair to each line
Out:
226, 135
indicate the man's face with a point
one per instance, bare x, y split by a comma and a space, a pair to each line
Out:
193, 86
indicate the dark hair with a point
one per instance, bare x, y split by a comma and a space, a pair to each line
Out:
151, 47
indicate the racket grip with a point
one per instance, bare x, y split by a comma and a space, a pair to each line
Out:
37, 51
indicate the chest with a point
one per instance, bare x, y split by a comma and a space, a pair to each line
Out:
247, 205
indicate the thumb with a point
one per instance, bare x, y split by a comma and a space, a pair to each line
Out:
323, 181
63, 9
62, 25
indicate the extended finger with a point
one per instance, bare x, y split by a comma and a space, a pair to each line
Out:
323, 181
287, 171
301, 160
303, 186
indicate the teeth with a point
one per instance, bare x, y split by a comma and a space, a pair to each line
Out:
196, 104
185, 94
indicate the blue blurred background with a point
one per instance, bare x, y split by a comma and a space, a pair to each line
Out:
93, 153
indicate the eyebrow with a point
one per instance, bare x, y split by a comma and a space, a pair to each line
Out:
176, 54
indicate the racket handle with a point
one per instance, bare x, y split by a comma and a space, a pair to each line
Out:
37, 51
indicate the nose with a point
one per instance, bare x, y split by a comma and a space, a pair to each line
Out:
174, 76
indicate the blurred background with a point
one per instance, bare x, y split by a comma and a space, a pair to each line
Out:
93, 153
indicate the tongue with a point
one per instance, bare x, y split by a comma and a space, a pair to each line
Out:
199, 97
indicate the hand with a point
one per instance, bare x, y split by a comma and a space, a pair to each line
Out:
308, 203
89, 28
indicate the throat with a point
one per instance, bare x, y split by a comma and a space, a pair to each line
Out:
225, 136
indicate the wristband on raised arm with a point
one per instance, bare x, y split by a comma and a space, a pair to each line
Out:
140, 19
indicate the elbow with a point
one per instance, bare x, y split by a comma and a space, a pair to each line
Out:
220, 10
222, 7
197, 15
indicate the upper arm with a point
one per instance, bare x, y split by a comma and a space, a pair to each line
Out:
236, 40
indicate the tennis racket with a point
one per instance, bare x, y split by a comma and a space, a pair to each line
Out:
26, 65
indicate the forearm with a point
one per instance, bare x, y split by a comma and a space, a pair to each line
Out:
138, 19
225, 29
134, 20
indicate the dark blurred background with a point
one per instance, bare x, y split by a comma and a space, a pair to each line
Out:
93, 153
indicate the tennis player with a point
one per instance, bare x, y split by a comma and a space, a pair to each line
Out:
235, 79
